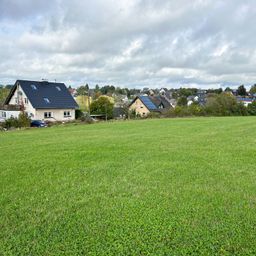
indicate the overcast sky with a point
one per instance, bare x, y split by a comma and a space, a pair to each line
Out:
134, 43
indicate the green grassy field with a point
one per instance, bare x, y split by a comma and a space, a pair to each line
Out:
153, 187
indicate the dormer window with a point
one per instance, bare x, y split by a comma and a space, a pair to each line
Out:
58, 88
46, 100
33, 87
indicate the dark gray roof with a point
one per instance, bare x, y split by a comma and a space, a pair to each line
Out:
159, 100
45, 95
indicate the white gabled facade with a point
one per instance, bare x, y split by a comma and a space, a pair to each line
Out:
20, 98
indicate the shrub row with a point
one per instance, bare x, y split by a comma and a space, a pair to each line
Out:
22, 121
217, 105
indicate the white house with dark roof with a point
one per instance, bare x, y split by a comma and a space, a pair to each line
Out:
44, 100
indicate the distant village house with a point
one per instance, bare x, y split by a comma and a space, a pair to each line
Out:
143, 105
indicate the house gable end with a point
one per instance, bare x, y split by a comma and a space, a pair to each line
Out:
141, 102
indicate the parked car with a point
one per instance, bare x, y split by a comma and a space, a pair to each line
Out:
38, 123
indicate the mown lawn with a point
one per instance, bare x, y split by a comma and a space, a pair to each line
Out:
153, 187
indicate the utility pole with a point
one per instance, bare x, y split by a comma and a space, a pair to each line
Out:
89, 110
106, 114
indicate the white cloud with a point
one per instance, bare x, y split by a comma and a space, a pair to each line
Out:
129, 42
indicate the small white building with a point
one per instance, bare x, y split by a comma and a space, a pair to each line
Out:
7, 113
246, 101
44, 100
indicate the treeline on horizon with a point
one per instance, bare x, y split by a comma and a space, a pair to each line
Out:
129, 92
176, 92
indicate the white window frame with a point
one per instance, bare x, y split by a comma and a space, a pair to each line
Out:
67, 113
48, 115
3, 114
26, 100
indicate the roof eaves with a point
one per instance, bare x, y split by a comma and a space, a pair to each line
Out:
8, 98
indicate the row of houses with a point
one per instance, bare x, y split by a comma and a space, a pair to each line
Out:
161, 103
51, 101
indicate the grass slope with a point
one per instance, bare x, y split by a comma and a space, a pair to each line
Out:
153, 187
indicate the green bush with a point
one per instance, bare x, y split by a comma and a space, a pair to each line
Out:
22, 121
11, 123
132, 114
196, 110
252, 108
78, 113
217, 105
182, 101
102, 106
86, 119
224, 105
154, 115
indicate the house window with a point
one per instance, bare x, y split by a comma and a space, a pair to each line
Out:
3, 114
33, 87
58, 88
67, 114
16, 100
26, 100
46, 100
47, 114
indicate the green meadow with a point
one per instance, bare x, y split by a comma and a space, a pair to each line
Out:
149, 187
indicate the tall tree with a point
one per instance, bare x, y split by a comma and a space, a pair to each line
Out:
253, 89
252, 108
228, 89
82, 90
3, 94
241, 90
97, 88
182, 101
102, 106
